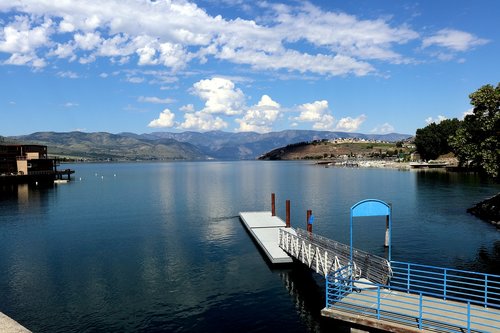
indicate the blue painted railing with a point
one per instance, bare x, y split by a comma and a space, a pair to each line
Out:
472, 299
446, 283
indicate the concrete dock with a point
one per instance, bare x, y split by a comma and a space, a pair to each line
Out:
264, 228
8, 325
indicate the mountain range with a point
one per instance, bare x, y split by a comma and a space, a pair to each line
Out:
185, 145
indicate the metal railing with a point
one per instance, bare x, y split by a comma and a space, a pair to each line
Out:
326, 255
423, 297
447, 283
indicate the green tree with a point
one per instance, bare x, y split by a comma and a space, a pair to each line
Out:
434, 139
447, 129
477, 140
428, 142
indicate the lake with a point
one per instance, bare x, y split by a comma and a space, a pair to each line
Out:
158, 247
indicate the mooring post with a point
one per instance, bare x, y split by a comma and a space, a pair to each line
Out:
386, 242
288, 214
309, 225
273, 204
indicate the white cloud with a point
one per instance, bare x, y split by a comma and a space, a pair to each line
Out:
318, 113
166, 119
88, 41
22, 40
455, 40
325, 124
155, 100
431, 120
342, 33
467, 113
68, 75
291, 38
20, 37
187, 108
135, 79
260, 118
63, 51
220, 96
70, 104
385, 128
349, 124
202, 122
147, 55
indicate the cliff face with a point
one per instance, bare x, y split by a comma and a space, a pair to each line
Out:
488, 210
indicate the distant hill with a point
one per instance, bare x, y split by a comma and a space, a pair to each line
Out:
103, 146
251, 145
334, 149
186, 145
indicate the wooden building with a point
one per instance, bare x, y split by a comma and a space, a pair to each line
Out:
26, 163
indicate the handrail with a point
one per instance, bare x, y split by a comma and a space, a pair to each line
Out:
328, 255
456, 317
447, 283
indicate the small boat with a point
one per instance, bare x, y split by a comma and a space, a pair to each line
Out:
430, 165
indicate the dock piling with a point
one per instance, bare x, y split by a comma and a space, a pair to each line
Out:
273, 204
287, 214
308, 221
386, 242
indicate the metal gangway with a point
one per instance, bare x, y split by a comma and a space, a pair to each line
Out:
394, 296
326, 256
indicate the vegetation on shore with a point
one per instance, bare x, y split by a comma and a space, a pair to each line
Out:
475, 141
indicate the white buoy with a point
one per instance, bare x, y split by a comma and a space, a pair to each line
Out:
80, 178
102, 177
114, 175
36, 183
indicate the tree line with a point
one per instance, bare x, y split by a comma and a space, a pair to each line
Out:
475, 140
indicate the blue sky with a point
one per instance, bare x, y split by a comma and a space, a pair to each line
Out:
367, 66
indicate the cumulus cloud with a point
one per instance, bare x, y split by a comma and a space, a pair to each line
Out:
260, 117
385, 128
317, 113
430, 120
21, 40
203, 122
454, 40
349, 124
220, 96
166, 119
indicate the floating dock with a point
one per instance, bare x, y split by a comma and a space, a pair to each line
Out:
8, 325
264, 229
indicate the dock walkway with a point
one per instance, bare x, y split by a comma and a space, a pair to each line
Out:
8, 325
381, 293
264, 229
393, 311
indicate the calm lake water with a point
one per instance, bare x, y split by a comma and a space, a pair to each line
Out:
158, 247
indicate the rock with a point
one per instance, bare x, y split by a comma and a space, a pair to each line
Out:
488, 209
